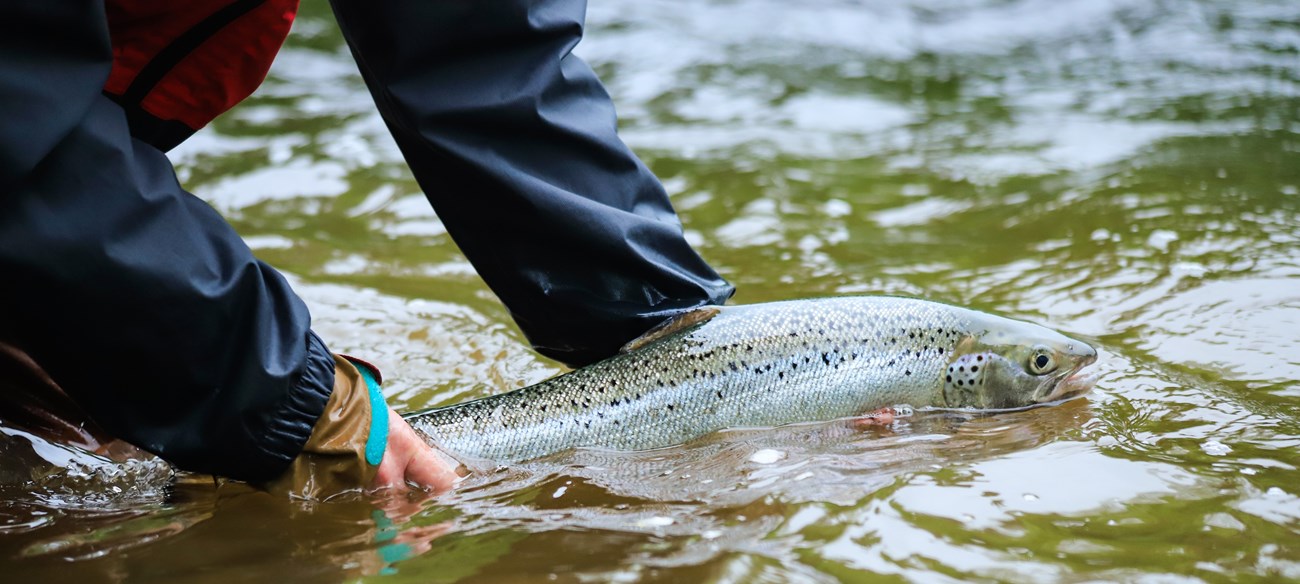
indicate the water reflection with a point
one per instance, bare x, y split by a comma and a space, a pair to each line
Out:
200, 527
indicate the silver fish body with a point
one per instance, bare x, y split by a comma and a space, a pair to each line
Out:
751, 365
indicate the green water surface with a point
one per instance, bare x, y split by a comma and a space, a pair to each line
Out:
1126, 171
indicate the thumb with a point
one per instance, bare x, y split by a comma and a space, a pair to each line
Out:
408, 459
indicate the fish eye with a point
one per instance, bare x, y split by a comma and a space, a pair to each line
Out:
1041, 362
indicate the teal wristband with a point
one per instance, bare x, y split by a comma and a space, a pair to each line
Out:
377, 442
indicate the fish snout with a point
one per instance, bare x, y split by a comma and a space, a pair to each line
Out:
1081, 351
1075, 381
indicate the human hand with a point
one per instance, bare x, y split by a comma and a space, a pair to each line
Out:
408, 460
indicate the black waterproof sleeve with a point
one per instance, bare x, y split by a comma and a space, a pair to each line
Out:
135, 296
513, 140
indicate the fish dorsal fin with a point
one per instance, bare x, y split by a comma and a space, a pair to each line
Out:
682, 321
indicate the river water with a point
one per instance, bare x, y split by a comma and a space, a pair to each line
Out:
1125, 171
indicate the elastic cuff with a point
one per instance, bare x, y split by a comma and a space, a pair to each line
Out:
289, 426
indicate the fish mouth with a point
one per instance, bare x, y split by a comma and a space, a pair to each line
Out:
1071, 383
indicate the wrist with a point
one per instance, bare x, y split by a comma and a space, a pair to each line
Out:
377, 439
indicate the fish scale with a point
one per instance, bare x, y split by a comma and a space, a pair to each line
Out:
753, 365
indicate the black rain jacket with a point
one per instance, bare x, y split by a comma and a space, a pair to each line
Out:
146, 307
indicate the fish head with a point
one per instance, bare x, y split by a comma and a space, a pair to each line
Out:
1006, 363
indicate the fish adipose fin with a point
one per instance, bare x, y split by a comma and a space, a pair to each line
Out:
682, 321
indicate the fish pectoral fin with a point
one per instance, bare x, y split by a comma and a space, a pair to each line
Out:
682, 321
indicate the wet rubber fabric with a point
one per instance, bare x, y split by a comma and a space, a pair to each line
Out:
144, 305
335, 458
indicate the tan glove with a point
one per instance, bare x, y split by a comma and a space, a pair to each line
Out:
334, 459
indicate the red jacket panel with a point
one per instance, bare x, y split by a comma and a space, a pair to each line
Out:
189, 62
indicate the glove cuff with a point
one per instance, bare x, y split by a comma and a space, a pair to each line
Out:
336, 458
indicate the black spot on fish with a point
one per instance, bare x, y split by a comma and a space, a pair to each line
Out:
780, 375
940, 350
948, 379
587, 424
826, 358
543, 408
732, 365
614, 403
891, 362
974, 368
670, 407
719, 394
907, 372
758, 370
979, 358
958, 382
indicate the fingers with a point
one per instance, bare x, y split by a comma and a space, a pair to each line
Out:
425, 468
880, 417
408, 459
